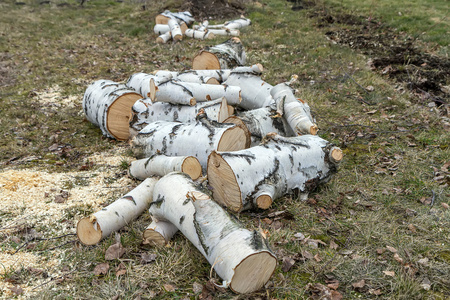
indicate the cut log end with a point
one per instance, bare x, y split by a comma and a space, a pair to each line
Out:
86, 232
221, 176
313, 129
192, 167
160, 19
119, 115
153, 238
336, 155
241, 124
234, 139
153, 89
212, 80
264, 201
253, 272
205, 61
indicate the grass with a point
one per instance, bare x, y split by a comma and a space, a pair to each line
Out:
393, 143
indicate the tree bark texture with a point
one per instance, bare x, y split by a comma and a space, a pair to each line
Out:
159, 233
190, 76
199, 34
140, 82
118, 214
160, 165
227, 55
164, 18
256, 176
239, 256
107, 104
196, 139
145, 111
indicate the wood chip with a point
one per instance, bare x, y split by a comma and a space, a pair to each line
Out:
101, 269
114, 251
359, 284
389, 273
392, 249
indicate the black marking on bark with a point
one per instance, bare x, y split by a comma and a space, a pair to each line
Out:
175, 116
146, 134
277, 147
247, 157
164, 143
257, 242
270, 178
130, 198
174, 130
200, 234
117, 213
181, 220
291, 159
159, 200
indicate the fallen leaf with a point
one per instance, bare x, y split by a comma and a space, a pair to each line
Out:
169, 287
412, 228
333, 285
197, 288
444, 205
426, 284
121, 269
423, 261
380, 251
359, 284
317, 258
299, 236
288, 262
16, 290
333, 245
335, 295
392, 249
101, 269
389, 273
114, 251
375, 292
398, 258
307, 255
147, 258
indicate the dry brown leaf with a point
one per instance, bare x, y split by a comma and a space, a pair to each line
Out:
197, 288
288, 262
307, 255
392, 249
380, 251
412, 228
16, 290
121, 269
147, 258
389, 273
317, 258
101, 269
444, 205
375, 292
335, 295
114, 251
333, 245
333, 285
121, 272
359, 284
398, 258
169, 287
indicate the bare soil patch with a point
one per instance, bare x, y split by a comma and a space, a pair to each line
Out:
215, 9
393, 54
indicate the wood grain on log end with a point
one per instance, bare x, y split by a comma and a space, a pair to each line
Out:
234, 139
226, 189
205, 61
212, 80
240, 124
192, 167
313, 129
152, 237
160, 19
336, 155
264, 201
86, 232
119, 115
253, 272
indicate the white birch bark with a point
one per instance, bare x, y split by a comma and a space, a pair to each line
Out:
296, 112
159, 233
140, 82
118, 214
256, 176
225, 32
196, 139
145, 111
189, 76
237, 24
186, 93
227, 55
164, 38
255, 92
160, 165
179, 16
239, 256
164, 28
175, 30
199, 34
107, 104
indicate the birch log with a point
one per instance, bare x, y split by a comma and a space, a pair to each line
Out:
256, 176
144, 112
184, 16
159, 233
175, 30
239, 256
199, 34
121, 212
160, 165
225, 32
197, 139
255, 92
141, 82
189, 93
164, 28
189, 76
238, 24
107, 104
164, 38
296, 112
227, 55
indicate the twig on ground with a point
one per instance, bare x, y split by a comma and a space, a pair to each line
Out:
53, 278
44, 239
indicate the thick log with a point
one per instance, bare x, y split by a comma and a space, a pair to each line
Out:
189, 76
175, 30
256, 176
164, 28
255, 92
189, 93
140, 82
227, 55
159, 233
160, 165
184, 16
107, 104
239, 256
296, 111
261, 122
145, 111
197, 139
199, 34
121, 212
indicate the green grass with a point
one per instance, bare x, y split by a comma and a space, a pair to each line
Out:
392, 140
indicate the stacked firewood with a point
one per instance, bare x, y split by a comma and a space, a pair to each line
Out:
173, 26
254, 141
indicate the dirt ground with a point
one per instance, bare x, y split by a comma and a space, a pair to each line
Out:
215, 9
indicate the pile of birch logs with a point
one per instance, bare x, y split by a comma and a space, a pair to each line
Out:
254, 141
173, 26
